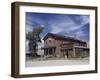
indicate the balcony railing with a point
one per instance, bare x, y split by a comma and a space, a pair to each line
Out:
66, 45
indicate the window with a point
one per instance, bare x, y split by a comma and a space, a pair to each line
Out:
49, 41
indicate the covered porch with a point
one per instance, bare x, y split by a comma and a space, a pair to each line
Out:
75, 52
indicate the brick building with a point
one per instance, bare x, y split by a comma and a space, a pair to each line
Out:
63, 46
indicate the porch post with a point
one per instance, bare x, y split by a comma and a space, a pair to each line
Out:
47, 51
53, 51
82, 53
74, 55
44, 51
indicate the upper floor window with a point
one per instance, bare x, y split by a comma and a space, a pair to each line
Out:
50, 41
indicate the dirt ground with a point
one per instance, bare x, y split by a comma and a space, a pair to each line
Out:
55, 62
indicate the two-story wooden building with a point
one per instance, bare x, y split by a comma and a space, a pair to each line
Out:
63, 46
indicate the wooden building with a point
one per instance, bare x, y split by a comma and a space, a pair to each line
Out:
63, 46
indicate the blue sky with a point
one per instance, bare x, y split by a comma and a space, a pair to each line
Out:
63, 24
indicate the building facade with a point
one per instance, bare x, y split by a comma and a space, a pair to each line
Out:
62, 46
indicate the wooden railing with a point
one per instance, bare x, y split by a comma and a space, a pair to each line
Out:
66, 45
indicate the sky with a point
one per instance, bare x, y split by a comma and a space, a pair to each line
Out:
72, 25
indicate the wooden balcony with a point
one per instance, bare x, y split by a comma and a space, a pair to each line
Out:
67, 46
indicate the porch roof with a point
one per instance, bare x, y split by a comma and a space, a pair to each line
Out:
49, 47
81, 47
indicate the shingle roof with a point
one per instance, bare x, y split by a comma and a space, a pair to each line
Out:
60, 37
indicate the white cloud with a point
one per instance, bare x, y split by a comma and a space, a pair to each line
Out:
41, 44
36, 20
28, 28
85, 19
61, 25
80, 33
69, 25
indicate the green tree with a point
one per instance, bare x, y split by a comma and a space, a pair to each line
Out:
34, 38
